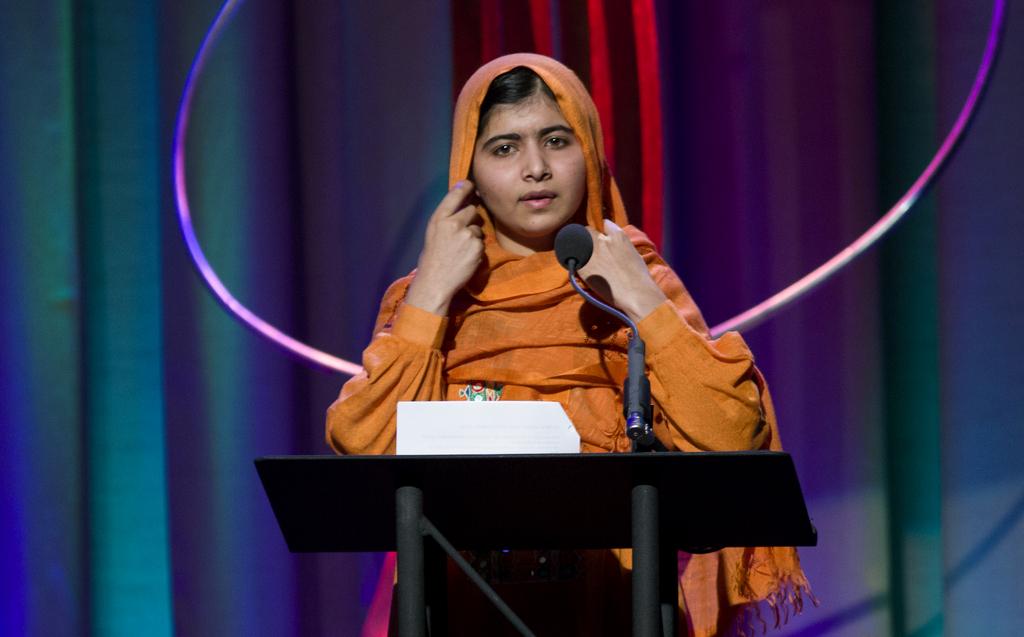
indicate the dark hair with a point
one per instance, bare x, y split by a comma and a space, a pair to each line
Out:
512, 87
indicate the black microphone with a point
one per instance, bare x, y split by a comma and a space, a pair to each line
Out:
573, 243
573, 249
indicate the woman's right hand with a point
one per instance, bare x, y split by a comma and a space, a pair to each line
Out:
452, 251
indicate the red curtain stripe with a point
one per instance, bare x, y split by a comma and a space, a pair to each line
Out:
540, 20
491, 41
601, 74
649, 82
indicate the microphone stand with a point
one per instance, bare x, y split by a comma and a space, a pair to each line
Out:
636, 391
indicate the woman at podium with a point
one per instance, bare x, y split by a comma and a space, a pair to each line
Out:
488, 314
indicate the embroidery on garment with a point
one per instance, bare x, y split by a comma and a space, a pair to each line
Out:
480, 391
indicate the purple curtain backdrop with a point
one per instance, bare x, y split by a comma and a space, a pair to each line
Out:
319, 148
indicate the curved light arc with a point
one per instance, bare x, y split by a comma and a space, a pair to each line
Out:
235, 307
773, 304
745, 320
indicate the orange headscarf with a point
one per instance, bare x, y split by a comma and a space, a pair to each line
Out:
603, 198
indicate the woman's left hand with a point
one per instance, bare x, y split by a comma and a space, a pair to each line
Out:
618, 274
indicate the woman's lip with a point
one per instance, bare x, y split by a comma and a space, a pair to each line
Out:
538, 194
541, 202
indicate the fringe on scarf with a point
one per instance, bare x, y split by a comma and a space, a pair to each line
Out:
785, 598
775, 610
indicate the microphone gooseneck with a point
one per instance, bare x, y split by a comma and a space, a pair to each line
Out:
573, 249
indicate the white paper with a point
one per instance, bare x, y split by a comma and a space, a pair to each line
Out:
484, 427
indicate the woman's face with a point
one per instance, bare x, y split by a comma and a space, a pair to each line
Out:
529, 172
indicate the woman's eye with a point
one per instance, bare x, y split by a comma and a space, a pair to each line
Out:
557, 142
502, 150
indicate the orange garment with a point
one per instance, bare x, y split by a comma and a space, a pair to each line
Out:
518, 326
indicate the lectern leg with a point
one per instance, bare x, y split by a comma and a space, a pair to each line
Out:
646, 606
412, 609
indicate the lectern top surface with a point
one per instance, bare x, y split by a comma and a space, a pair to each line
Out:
346, 503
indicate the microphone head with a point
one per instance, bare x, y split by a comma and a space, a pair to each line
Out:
573, 242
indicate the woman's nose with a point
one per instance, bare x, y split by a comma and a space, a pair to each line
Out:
535, 165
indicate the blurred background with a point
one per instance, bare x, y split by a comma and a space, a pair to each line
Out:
753, 140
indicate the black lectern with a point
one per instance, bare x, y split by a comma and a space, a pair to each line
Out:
656, 503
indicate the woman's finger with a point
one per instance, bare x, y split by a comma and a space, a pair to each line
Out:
467, 215
453, 200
